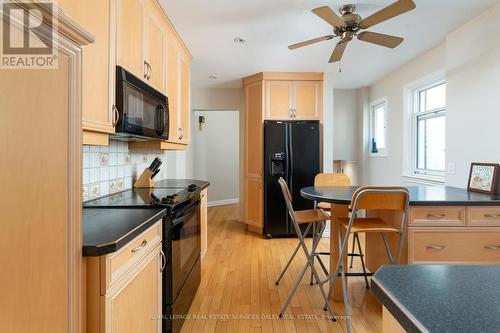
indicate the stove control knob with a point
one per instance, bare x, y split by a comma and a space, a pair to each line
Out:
191, 188
169, 199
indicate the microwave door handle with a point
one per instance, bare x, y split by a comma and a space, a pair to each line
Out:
156, 120
162, 119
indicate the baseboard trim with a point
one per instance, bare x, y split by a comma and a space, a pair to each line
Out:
223, 202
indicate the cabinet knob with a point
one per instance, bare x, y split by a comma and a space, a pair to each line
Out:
146, 69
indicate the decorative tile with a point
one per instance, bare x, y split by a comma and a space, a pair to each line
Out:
104, 159
94, 160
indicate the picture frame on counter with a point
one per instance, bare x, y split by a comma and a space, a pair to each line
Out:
483, 178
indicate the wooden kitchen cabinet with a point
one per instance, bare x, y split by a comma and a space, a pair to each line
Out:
130, 36
203, 222
134, 304
254, 203
124, 288
272, 96
97, 89
454, 235
293, 100
154, 48
279, 99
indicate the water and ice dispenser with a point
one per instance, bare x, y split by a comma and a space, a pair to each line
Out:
277, 164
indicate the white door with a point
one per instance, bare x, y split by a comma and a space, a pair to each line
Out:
216, 154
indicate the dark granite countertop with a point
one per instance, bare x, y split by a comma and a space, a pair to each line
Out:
441, 298
419, 196
107, 230
181, 183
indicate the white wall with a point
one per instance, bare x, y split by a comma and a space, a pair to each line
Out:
473, 93
216, 149
219, 99
388, 170
470, 59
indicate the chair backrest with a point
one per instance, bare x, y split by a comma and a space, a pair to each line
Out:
286, 194
331, 179
380, 197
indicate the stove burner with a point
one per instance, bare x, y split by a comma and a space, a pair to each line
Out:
191, 187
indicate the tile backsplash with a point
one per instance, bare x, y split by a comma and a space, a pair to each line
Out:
113, 168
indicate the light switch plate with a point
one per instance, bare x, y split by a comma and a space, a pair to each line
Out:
451, 168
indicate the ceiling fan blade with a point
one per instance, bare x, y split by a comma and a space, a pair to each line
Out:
380, 39
338, 52
397, 8
309, 42
327, 14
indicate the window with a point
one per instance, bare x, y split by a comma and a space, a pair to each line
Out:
429, 123
378, 118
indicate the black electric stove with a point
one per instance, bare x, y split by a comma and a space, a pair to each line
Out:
181, 243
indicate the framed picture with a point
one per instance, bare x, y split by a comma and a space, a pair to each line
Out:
483, 178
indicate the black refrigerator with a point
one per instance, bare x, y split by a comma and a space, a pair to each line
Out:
291, 151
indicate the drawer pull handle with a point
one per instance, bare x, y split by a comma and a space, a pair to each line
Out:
436, 216
492, 247
140, 247
436, 247
492, 216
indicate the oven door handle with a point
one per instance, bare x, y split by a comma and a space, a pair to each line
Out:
186, 215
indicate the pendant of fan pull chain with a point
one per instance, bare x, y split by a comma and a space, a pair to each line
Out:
349, 25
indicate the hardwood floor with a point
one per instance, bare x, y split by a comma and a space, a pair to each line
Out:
238, 291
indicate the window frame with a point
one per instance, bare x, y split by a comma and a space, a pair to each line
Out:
411, 172
382, 152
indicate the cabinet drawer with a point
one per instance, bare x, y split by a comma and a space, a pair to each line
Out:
437, 216
483, 216
454, 246
117, 264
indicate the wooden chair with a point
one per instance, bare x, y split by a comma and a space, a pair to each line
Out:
339, 179
310, 217
370, 198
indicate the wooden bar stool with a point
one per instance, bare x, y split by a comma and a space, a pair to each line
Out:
338, 179
372, 198
310, 217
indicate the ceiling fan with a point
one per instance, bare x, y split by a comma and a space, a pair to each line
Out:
348, 25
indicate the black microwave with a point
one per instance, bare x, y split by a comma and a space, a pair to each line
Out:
141, 111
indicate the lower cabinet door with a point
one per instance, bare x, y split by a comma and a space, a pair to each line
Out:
449, 245
134, 303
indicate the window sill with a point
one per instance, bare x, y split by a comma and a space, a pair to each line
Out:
377, 155
424, 180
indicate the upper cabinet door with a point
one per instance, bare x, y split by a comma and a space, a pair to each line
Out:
94, 16
278, 100
306, 101
172, 73
185, 105
155, 46
129, 44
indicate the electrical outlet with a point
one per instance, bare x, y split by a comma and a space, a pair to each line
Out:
451, 168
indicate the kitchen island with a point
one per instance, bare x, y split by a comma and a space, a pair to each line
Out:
439, 298
445, 225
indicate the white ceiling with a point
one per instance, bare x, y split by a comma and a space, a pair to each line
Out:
208, 28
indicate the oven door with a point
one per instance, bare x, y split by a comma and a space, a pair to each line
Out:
186, 246
143, 115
